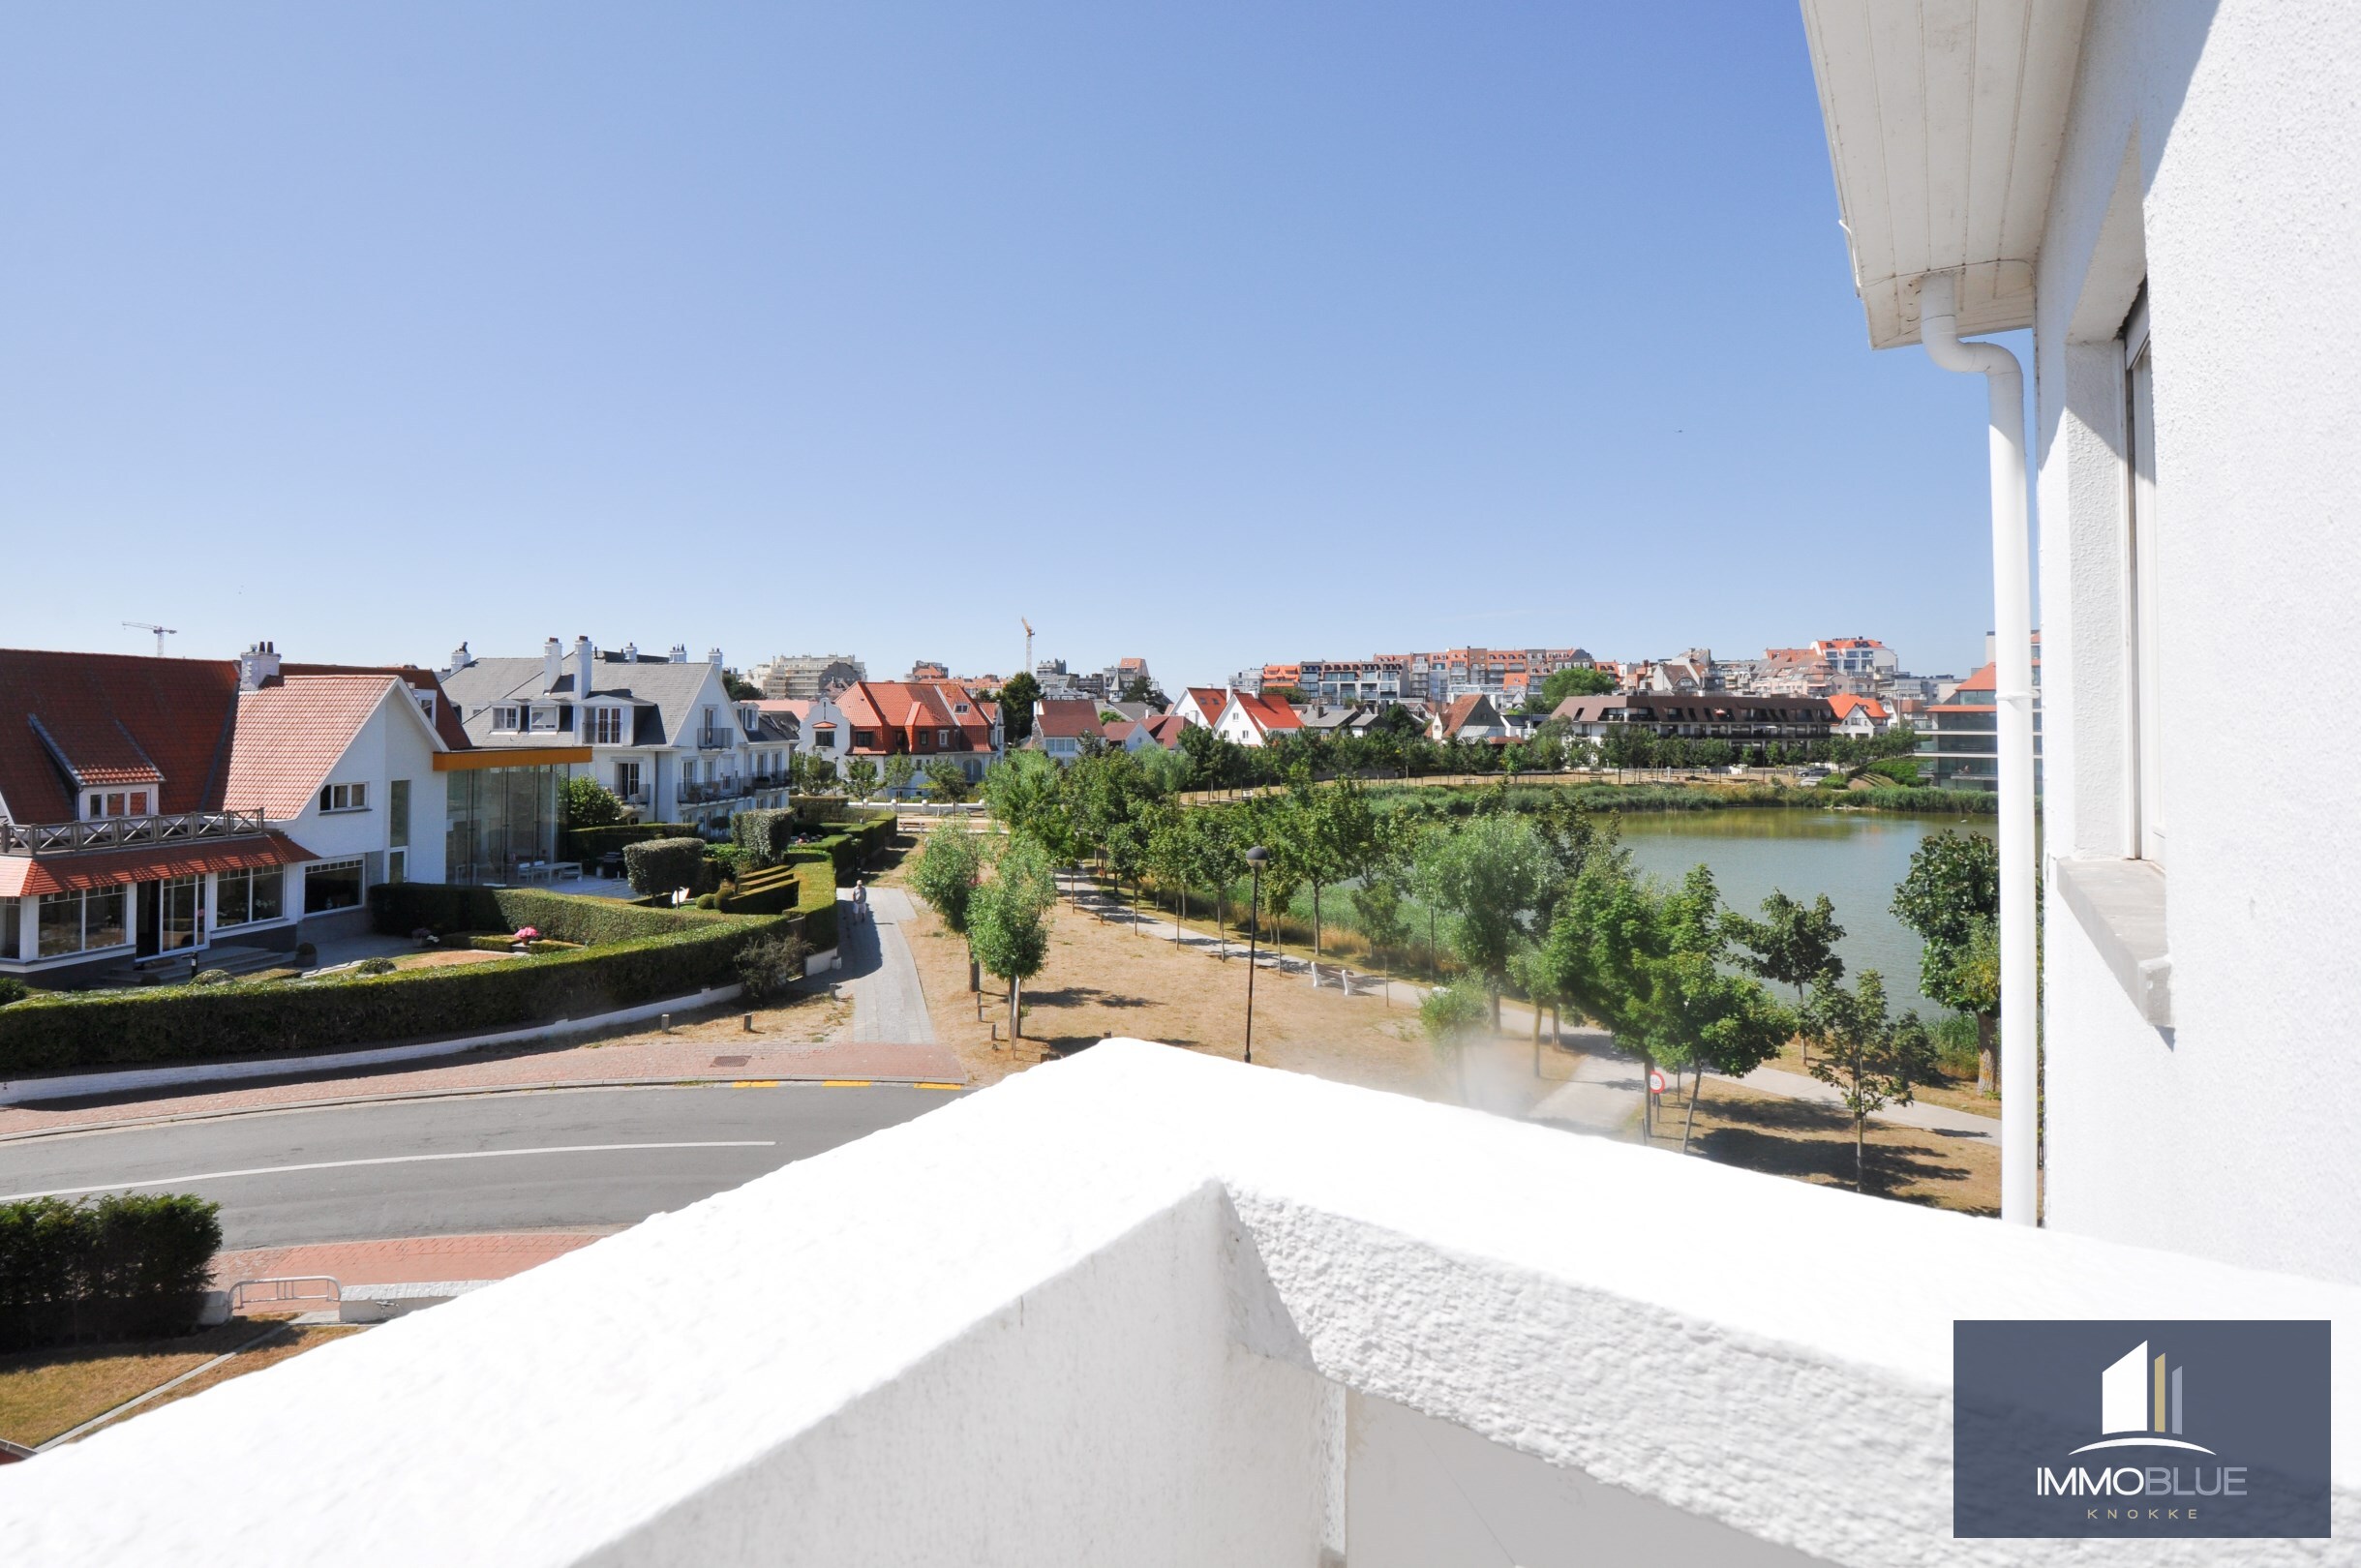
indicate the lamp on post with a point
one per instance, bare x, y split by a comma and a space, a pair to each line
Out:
1255, 858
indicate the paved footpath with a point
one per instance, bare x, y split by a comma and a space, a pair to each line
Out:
883, 978
657, 1060
407, 1262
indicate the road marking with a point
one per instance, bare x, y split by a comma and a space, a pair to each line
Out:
846, 1083
755, 1083
938, 1086
386, 1160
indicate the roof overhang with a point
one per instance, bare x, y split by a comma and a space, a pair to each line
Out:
27, 876
1944, 121
461, 762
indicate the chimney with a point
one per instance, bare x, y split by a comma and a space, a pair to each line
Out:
631, 652
713, 656
258, 667
584, 655
679, 654
553, 655
461, 658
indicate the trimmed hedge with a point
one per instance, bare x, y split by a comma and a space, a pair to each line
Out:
640, 955
775, 891
766, 837
123, 1267
665, 865
815, 897
595, 843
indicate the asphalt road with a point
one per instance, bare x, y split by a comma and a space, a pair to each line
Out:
437, 1167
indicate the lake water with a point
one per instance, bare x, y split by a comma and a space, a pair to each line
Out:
1855, 857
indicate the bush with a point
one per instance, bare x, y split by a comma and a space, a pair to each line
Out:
133, 1266
638, 955
597, 843
375, 966
1956, 1045
662, 865
13, 989
711, 900
588, 804
761, 893
493, 944
1451, 1012
212, 976
763, 837
816, 898
772, 965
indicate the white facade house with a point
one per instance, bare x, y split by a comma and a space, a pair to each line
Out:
665, 735
2162, 190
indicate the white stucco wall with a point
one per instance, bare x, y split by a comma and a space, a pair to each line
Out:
389, 746
1100, 1313
2232, 131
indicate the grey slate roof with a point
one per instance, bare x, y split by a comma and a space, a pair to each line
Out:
669, 691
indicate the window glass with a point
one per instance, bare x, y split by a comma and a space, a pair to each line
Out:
12, 928
61, 923
176, 914
139, 802
232, 893
397, 813
331, 886
269, 894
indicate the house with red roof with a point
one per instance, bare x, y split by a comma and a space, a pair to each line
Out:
923, 720
1201, 706
1251, 719
153, 811
1859, 717
1065, 727
1470, 716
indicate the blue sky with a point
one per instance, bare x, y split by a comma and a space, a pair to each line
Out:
1213, 332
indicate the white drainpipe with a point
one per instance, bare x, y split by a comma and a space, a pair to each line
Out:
2013, 676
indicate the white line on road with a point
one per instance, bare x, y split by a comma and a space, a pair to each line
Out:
386, 1160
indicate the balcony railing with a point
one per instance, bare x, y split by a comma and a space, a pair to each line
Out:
122, 833
716, 740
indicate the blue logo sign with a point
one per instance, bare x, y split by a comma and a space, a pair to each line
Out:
2140, 1428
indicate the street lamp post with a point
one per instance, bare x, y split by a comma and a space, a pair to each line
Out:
1255, 858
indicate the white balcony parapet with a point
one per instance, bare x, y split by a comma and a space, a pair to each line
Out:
1145, 1307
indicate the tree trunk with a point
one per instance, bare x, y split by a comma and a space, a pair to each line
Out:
1315, 923
1495, 1010
1016, 1014
1861, 1176
1648, 1096
1987, 1054
1537, 1005
974, 976
1696, 1088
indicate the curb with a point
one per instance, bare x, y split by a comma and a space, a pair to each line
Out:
700, 1081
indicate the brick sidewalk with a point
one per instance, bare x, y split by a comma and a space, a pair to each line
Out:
715, 1057
403, 1261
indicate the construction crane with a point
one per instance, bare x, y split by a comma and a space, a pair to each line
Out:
1028, 626
162, 632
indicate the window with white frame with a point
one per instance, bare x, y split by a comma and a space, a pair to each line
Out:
508, 718
606, 726
344, 798
243, 897
2145, 795
627, 780
81, 922
332, 885
118, 804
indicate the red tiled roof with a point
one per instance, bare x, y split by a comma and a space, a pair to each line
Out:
111, 718
1270, 712
1209, 700
1983, 679
1069, 718
903, 705
447, 723
24, 875
290, 733
1844, 702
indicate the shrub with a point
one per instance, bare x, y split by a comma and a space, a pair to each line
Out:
13, 989
639, 955
1449, 1013
763, 837
374, 966
590, 804
663, 865
711, 900
595, 843
212, 976
761, 893
770, 966
493, 944
130, 1266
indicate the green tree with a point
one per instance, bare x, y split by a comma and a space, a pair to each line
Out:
1490, 874
901, 769
947, 778
1871, 1060
588, 804
1377, 909
1009, 936
946, 874
862, 775
1137, 690
1451, 1014
1582, 681
1025, 796
1017, 699
1952, 887
1794, 943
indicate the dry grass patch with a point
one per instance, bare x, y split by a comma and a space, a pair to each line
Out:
1813, 1142
286, 1347
43, 1393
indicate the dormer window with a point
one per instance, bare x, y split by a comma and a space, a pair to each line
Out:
118, 804
606, 726
425, 704
508, 718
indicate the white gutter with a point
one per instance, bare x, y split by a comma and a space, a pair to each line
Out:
2013, 698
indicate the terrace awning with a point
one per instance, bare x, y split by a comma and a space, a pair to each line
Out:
22, 876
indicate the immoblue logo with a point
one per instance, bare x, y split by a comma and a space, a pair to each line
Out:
2199, 1428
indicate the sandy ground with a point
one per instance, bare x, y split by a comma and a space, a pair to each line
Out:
1812, 1142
